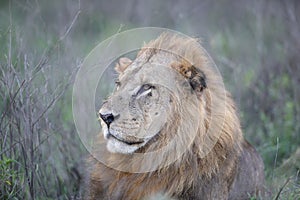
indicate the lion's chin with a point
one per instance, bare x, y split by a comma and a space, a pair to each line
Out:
116, 146
123, 145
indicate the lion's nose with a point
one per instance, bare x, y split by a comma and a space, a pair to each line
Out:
107, 118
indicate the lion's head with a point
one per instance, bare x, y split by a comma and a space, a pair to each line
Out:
164, 93
137, 110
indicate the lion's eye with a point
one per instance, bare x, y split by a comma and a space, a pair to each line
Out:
118, 83
145, 89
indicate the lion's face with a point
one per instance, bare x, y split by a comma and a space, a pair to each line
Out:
136, 111
149, 92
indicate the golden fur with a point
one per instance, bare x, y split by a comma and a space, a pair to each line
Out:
201, 172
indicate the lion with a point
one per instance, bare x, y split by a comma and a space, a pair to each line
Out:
171, 114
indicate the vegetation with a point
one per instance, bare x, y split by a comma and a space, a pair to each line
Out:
255, 44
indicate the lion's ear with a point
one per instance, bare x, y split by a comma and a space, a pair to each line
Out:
122, 64
197, 79
194, 75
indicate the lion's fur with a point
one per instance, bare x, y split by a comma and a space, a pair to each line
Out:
198, 173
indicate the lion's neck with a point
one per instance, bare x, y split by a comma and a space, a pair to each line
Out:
179, 176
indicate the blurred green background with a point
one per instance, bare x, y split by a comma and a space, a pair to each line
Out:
255, 44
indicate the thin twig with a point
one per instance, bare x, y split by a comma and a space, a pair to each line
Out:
10, 35
115, 35
71, 25
281, 188
12, 100
49, 49
276, 155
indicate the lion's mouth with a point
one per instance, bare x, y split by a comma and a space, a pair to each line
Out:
126, 141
